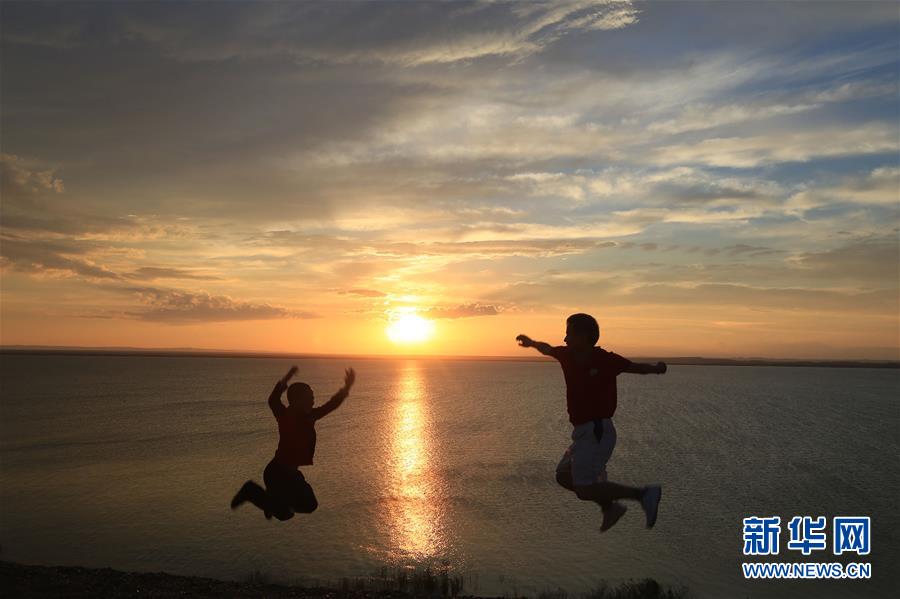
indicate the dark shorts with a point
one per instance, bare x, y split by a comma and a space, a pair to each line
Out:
288, 491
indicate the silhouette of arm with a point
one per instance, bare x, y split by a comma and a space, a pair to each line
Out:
275, 397
638, 368
338, 398
526, 341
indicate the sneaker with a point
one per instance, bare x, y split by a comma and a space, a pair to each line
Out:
612, 515
650, 502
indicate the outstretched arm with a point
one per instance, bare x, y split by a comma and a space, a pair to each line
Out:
526, 341
275, 397
638, 368
338, 398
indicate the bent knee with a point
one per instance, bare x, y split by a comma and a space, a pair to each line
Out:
584, 493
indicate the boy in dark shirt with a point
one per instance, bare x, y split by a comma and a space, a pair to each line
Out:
590, 374
287, 491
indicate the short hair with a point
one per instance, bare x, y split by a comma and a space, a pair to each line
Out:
586, 325
299, 391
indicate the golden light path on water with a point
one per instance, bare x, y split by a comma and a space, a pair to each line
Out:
416, 515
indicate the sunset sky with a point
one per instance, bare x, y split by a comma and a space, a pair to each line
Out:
715, 179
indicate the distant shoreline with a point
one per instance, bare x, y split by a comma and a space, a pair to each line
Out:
201, 353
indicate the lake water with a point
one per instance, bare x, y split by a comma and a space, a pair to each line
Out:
130, 462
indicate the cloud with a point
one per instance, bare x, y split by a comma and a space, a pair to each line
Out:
782, 146
640, 219
51, 258
791, 299
459, 249
704, 116
753, 251
390, 133
586, 191
67, 259
450, 151
590, 231
363, 292
35, 202
76, 244
852, 90
182, 307
879, 187
462, 311
564, 290
558, 185
405, 34
697, 187
700, 116
872, 262
20, 176
500, 248
157, 272
347, 32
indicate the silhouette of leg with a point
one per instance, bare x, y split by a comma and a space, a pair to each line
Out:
255, 494
612, 510
303, 499
592, 447
279, 482
564, 471
283, 513
607, 492
564, 479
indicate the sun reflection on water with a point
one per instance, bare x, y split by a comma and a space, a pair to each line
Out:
415, 516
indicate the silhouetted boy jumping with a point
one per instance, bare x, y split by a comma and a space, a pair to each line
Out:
287, 491
590, 374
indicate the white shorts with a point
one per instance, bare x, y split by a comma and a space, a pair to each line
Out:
592, 446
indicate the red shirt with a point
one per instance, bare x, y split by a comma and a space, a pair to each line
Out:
296, 439
296, 431
591, 385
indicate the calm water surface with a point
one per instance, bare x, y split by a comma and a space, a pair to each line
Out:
130, 463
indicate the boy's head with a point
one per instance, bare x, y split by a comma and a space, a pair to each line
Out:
582, 331
300, 396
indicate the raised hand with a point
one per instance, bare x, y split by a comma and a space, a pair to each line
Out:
349, 378
525, 341
289, 375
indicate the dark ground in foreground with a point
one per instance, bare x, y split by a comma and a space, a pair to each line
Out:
19, 580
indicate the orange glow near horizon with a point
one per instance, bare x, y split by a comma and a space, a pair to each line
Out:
633, 331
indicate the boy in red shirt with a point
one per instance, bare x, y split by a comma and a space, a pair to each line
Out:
590, 374
287, 491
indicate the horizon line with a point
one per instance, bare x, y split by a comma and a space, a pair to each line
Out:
213, 352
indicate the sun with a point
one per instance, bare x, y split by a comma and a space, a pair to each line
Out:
410, 328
